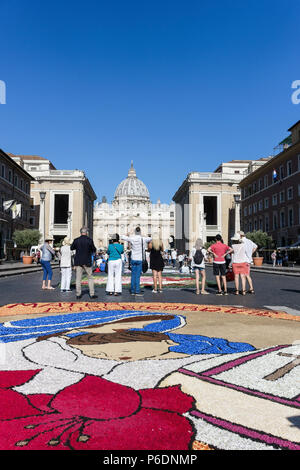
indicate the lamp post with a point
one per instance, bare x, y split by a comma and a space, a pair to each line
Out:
237, 223
42, 214
204, 228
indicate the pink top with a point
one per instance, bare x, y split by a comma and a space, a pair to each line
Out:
219, 249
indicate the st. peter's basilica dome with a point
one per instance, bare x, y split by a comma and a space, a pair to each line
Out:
132, 188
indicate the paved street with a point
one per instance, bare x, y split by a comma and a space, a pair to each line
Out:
272, 291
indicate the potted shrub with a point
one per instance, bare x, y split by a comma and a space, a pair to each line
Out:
257, 259
26, 239
262, 240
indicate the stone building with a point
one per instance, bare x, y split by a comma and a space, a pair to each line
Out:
14, 185
271, 201
62, 199
131, 207
208, 204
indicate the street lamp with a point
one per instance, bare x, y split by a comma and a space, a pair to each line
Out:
237, 224
204, 228
42, 214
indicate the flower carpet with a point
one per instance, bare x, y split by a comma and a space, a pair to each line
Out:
142, 376
147, 281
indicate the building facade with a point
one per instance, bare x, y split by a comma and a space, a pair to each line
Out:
271, 195
14, 186
207, 204
130, 208
62, 199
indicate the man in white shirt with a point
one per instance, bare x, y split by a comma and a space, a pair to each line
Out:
138, 247
250, 248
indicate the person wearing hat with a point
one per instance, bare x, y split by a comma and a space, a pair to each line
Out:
65, 265
240, 265
250, 248
47, 254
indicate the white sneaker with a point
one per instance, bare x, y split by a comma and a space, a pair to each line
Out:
154, 291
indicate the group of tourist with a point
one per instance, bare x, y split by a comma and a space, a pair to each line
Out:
237, 258
279, 258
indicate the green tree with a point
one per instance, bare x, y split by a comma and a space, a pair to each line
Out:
26, 238
262, 239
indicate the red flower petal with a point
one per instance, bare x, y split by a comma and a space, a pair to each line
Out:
96, 398
171, 398
146, 430
14, 378
41, 401
15, 405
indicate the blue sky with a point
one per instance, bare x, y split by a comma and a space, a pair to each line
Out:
175, 86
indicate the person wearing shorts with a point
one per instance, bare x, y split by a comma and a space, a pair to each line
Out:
240, 263
219, 250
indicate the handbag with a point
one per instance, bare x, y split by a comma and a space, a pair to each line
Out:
229, 275
144, 262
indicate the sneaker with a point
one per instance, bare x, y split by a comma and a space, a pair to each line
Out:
154, 291
160, 291
139, 294
219, 293
225, 293
205, 292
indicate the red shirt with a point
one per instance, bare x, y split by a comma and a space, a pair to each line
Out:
219, 249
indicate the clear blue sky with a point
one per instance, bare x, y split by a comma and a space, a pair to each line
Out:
175, 86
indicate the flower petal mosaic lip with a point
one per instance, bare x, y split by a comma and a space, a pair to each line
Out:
128, 376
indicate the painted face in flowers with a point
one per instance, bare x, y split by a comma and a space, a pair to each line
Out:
116, 341
123, 345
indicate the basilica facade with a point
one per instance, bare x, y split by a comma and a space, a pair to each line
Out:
131, 208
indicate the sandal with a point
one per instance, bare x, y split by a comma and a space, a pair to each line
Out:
243, 292
237, 292
251, 291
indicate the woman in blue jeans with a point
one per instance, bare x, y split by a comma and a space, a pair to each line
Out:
47, 253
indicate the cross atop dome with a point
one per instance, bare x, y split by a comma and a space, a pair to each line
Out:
132, 171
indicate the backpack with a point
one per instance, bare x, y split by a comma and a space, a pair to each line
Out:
198, 257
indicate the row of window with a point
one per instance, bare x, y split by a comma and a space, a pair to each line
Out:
276, 198
285, 218
282, 172
7, 174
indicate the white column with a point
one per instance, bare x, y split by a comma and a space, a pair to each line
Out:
70, 225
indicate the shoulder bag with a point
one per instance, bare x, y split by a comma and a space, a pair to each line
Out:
144, 262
